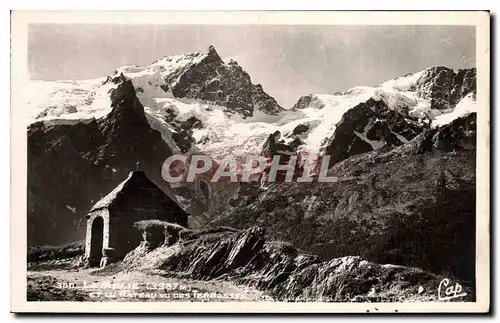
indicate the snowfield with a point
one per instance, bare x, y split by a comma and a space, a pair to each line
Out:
67, 102
222, 134
464, 107
323, 120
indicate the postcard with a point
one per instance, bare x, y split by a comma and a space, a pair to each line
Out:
250, 162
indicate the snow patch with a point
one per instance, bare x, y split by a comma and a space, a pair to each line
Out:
363, 136
403, 84
327, 118
466, 106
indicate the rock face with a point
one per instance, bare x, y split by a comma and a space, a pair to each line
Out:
308, 101
457, 136
407, 206
247, 257
445, 88
370, 126
227, 85
274, 145
70, 167
182, 130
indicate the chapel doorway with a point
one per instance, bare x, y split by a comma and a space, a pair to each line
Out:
96, 241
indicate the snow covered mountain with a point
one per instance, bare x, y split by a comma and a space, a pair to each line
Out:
198, 102
97, 130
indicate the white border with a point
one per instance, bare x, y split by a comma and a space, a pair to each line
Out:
20, 21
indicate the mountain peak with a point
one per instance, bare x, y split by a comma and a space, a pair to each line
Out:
211, 50
206, 77
212, 56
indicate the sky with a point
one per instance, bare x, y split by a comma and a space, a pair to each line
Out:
288, 61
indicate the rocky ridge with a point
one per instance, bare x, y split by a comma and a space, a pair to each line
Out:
248, 258
206, 77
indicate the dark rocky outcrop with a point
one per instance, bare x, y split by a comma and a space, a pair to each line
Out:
308, 101
182, 130
459, 135
300, 129
370, 125
444, 87
274, 145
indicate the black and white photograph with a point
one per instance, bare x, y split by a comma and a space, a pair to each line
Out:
257, 159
